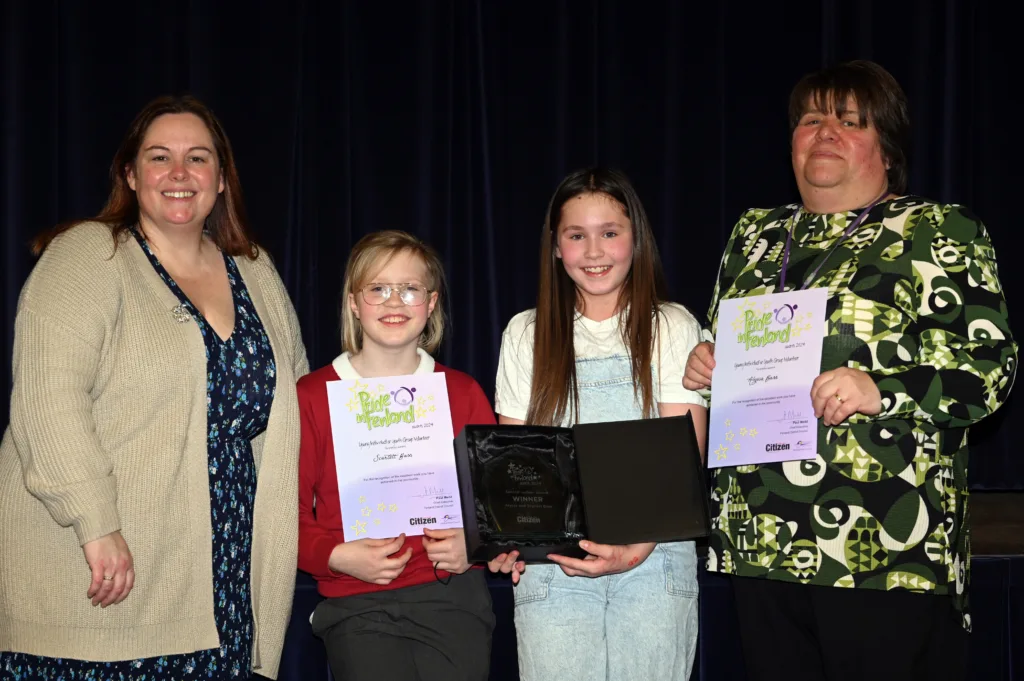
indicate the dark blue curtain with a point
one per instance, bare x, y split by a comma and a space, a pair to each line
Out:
456, 119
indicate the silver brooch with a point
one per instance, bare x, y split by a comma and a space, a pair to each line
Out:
181, 313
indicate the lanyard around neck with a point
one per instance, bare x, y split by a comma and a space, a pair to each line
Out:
846, 233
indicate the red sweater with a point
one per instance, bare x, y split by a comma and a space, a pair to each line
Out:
321, 531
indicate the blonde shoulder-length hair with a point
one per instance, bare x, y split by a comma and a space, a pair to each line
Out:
368, 257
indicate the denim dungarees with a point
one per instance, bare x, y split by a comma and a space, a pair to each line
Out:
640, 625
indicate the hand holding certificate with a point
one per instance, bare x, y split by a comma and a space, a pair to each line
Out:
393, 454
767, 357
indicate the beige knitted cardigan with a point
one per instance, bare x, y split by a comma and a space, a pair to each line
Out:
108, 432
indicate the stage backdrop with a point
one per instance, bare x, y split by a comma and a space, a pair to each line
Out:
455, 121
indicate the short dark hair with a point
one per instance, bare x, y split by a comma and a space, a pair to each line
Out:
880, 100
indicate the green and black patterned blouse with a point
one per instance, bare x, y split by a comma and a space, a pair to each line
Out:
915, 301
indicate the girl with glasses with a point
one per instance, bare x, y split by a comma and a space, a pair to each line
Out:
407, 607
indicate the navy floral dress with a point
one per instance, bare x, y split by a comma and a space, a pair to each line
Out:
240, 389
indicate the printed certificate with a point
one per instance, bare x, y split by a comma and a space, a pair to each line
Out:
394, 455
767, 355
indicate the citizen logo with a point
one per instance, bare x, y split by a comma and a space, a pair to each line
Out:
527, 519
422, 521
776, 447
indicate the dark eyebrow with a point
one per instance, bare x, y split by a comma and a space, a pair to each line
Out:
160, 146
604, 226
816, 112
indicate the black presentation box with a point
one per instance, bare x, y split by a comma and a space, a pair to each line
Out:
541, 489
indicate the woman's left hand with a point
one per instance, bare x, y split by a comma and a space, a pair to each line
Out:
604, 559
839, 393
446, 549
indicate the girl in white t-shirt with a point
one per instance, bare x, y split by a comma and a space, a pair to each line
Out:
602, 345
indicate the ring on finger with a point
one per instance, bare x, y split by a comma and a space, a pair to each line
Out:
838, 398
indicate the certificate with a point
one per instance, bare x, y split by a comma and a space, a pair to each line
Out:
767, 355
394, 456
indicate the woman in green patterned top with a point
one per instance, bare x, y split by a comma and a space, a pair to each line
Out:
855, 564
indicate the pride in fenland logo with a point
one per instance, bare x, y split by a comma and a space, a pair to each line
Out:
377, 409
761, 329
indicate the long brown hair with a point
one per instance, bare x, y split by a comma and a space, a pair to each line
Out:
554, 391
226, 223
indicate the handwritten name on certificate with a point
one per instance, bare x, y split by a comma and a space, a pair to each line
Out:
394, 455
767, 355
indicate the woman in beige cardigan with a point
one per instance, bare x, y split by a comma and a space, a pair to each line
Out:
154, 428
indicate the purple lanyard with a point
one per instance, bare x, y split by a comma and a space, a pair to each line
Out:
846, 233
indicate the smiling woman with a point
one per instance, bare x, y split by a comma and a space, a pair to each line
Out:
164, 122
153, 345
855, 564
176, 177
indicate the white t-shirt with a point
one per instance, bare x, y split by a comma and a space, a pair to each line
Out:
679, 333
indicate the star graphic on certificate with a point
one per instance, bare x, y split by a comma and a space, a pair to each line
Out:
362, 499
730, 435
393, 507
376, 521
753, 432
353, 403
358, 387
736, 446
720, 453
359, 528
382, 506
424, 406
728, 422
366, 511
743, 432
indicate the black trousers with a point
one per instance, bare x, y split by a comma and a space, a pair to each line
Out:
427, 632
817, 633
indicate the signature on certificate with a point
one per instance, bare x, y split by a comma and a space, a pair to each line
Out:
431, 491
788, 415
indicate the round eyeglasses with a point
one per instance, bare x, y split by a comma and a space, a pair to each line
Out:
410, 294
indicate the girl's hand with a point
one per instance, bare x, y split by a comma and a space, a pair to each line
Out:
699, 366
506, 563
370, 559
604, 559
446, 549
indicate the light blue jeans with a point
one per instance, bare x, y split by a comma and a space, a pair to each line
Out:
640, 625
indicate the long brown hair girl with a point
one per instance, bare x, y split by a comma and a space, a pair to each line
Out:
554, 391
